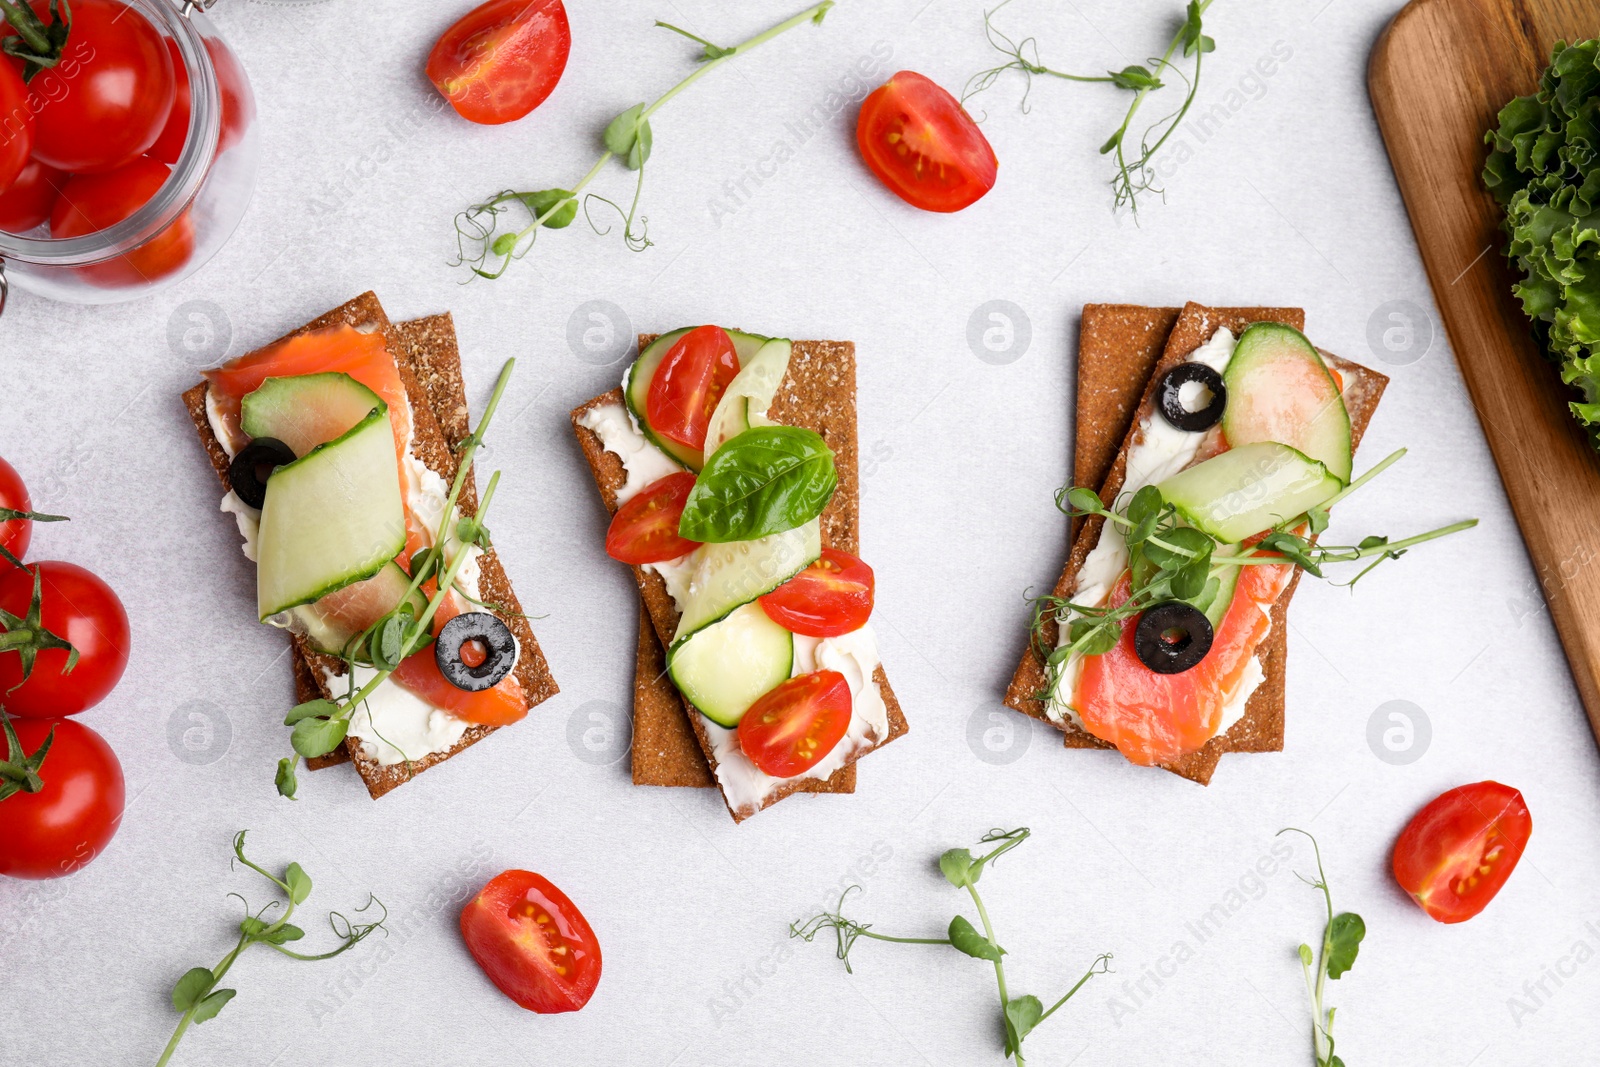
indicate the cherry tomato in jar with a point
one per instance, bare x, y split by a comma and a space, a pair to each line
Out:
532, 942
831, 597
645, 529
92, 202
923, 145
238, 111
32, 195
16, 125
1458, 851
690, 381
793, 726
502, 59
14, 533
77, 607
70, 820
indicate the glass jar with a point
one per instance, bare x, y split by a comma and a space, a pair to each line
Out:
190, 216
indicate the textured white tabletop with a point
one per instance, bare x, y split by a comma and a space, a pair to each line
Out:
1284, 197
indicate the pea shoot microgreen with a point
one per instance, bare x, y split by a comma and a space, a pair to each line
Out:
1134, 171
1019, 1015
628, 139
1341, 940
320, 725
1170, 560
196, 994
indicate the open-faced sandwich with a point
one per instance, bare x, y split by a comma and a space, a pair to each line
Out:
345, 456
1165, 637
728, 462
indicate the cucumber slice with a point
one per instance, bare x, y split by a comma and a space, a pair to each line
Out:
331, 518
636, 386
733, 573
1279, 389
332, 622
725, 668
750, 394
1248, 489
307, 410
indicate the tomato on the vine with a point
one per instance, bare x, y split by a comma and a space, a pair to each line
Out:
75, 607
532, 942
645, 529
92, 202
237, 109
74, 814
17, 532
1458, 851
923, 145
16, 125
502, 59
831, 597
31, 196
690, 381
791, 728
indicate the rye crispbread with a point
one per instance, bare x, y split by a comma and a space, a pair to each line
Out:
430, 368
1118, 374
818, 393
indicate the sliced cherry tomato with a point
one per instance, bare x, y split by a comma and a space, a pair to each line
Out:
923, 145
92, 202
107, 99
31, 196
532, 942
831, 597
645, 529
500, 705
238, 108
692, 377
72, 818
790, 729
16, 125
78, 608
502, 59
1457, 852
14, 533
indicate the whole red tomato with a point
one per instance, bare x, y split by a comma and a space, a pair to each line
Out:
31, 196
77, 809
107, 98
532, 942
502, 59
92, 202
238, 110
923, 145
76, 607
16, 125
14, 533
1458, 851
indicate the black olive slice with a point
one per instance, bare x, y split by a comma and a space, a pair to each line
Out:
1172, 637
474, 651
253, 464
1169, 397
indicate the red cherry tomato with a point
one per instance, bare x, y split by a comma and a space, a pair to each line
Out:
31, 196
107, 99
238, 111
790, 729
923, 145
16, 125
91, 202
692, 377
502, 59
532, 942
645, 529
79, 608
1457, 852
833, 596
70, 821
14, 533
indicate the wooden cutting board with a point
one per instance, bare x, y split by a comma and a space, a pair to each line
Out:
1438, 76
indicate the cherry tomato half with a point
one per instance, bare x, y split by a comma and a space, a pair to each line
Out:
14, 533
831, 597
79, 608
1457, 852
70, 821
692, 377
108, 98
92, 202
790, 729
502, 59
923, 145
237, 108
31, 196
532, 942
16, 124
645, 529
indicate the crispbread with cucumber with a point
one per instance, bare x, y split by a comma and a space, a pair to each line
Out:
728, 462
1165, 636
337, 447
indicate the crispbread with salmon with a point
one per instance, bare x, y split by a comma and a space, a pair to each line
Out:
1117, 384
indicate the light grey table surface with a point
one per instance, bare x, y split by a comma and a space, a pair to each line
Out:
1284, 196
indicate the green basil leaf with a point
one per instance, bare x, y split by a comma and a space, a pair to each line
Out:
1022, 1015
191, 987
299, 883
965, 937
545, 199
317, 737
214, 1003
320, 709
1344, 936
761, 482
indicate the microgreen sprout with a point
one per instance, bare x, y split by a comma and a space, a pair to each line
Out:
1019, 1015
196, 994
488, 251
1134, 171
320, 725
1341, 940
